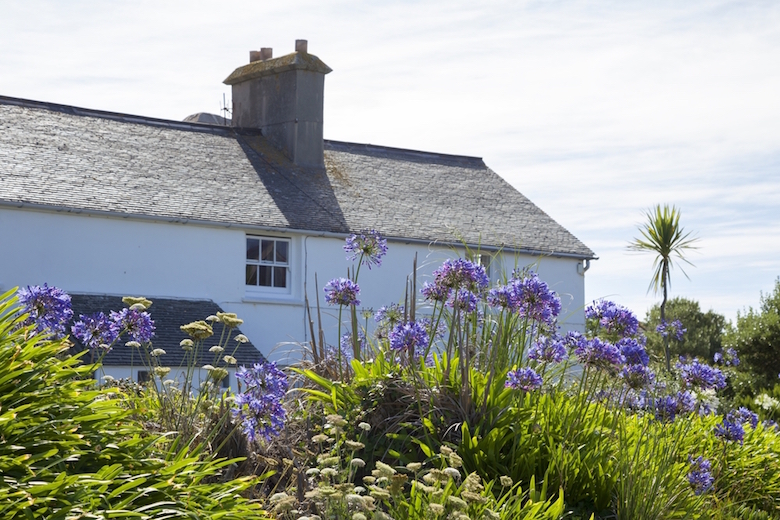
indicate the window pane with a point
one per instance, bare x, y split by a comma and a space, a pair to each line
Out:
280, 277
265, 275
251, 275
268, 251
252, 249
281, 252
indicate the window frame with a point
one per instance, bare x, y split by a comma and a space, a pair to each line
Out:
273, 264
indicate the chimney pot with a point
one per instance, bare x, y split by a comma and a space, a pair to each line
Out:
302, 46
266, 53
255, 56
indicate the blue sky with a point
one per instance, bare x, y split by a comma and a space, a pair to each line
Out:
594, 110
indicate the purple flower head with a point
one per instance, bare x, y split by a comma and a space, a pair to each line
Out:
409, 336
599, 354
138, 324
668, 407
435, 293
461, 274
548, 350
500, 296
96, 329
441, 328
574, 340
464, 300
613, 318
532, 298
525, 379
700, 375
743, 416
368, 245
700, 477
730, 431
771, 425
389, 314
260, 406
637, 376
728, 357
634, 353
342, 291
674, 329
48, 308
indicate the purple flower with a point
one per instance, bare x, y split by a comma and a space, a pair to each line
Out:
600, 354
668, 407
260, 406
613, 318
464, 300
700, 477
368, 245
743, 416
342, 291
435, 293
730, 431
700, 375
461, 274
548, 350
674, 328
525, 379
95, 329
389, 314
637, 376
574, 340
409, 336
500, 296
138, 324
634, 353
728, 357
346, 341
48, 308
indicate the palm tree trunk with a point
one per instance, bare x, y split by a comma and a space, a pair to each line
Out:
666, 335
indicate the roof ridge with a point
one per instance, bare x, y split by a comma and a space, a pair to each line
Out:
117, 116
349, 147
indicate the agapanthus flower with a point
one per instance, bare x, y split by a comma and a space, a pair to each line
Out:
461, 274
435, 293
769, 424
410, 336
669, 406
730, 431
464, 300
728, 357
259, 406
97, 329
48, 308
674, 329
525, 379
637, 376
500, 296
548, 349
346, 341
389, 314
613, 318
600, 354
743, 416
342, 291
700, 375
368, 245
573, 340
533, 299
634, 353
700, 477
138, 324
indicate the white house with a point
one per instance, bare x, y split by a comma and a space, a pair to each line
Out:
247, 215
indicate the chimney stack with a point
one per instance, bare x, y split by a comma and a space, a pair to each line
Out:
283, 97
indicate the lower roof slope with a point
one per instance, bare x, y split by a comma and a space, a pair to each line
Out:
168, 315
55, 156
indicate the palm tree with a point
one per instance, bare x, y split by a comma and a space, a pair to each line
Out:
662, 235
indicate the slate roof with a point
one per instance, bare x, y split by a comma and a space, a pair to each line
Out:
168, 315
57, 156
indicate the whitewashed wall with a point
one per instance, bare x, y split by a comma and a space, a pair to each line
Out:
117, 256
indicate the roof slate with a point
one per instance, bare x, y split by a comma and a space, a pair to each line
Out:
168, 315
59, 156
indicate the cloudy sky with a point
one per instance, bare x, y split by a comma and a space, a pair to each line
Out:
594, 110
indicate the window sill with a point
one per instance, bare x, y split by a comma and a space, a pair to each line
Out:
277, 299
